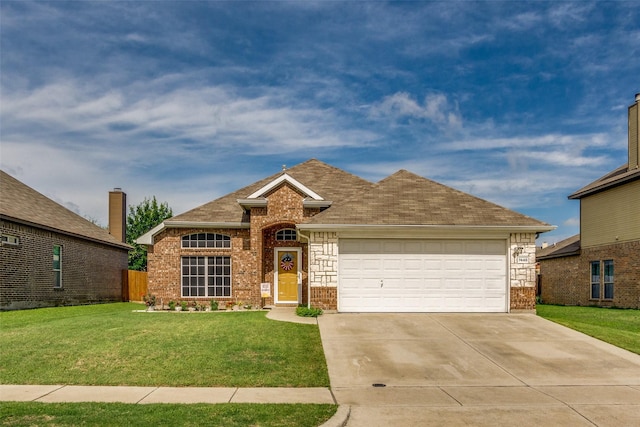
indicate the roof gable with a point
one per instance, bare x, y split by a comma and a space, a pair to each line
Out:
282, 179
21, 203
313, 178
405, 198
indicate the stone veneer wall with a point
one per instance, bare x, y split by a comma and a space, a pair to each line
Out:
323, 269
522, 276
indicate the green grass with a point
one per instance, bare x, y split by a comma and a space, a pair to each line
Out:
120, 414
112, 345
615, 326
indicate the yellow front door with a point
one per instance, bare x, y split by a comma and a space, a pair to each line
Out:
287, 275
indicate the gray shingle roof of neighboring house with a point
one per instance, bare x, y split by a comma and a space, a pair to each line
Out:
23, 204
614, 178
331, 183
408, 199
566, 247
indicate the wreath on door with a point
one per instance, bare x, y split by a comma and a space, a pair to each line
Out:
286, 262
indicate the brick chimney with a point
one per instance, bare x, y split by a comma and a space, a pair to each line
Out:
634, 134
118, 214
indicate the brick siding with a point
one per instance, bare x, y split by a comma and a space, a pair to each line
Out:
567, 280
91, 272
252, 252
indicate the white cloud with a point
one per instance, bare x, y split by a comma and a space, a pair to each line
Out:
436, 109
572, 222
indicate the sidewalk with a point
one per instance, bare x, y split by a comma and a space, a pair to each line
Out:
75, 393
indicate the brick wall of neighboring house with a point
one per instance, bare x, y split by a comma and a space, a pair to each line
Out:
91, 272
522, 275
567, 280
559, 281
626, 264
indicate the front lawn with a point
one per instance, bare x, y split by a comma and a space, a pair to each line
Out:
112, 345
120, 414
615, 326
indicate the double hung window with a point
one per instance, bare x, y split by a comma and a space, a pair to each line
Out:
602, 279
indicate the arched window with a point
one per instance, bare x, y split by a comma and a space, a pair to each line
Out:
206, 240
286, 234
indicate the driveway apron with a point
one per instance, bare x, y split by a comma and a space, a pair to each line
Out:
476, 369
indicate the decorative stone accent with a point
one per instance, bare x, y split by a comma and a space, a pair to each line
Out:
522, 270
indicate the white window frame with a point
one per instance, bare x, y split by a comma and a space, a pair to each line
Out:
204, 272
194, 240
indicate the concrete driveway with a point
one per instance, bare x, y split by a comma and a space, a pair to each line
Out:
476, 369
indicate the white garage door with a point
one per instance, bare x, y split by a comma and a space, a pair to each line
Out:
389, 275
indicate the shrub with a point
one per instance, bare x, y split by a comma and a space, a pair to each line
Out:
183, 304
214, 305
172, 305
304, 311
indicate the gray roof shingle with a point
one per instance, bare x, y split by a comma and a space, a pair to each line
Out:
408, 199
21, 203
331, 183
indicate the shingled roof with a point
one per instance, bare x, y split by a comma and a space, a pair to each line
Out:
614, 178
401, 199
23, 204
566, 247
408, 199
331, 183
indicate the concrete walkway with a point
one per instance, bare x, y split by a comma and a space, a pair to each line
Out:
77, 393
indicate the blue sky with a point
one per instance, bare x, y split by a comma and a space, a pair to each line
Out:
520, 103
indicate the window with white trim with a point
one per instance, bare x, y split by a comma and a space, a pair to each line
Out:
57, 266
206, 240
206, 276
286, 234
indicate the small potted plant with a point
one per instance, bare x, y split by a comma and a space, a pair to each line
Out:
150, 300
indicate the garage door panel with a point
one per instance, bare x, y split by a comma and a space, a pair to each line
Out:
422, 275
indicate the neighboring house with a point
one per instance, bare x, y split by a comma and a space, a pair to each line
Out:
317, 235
601, 266
51, 256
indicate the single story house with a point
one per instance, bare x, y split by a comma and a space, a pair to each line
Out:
601, 265
50, 256
317, 235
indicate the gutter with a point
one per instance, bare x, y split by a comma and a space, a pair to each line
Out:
308, 269
147, 238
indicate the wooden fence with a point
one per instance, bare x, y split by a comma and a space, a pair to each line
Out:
134, 285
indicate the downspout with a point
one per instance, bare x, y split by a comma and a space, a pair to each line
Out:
308, 239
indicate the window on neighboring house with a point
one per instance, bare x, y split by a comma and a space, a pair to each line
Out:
8, 240
608, 279
57, 266
287, 234
602, 282
595, 279
206, 240
206, 276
